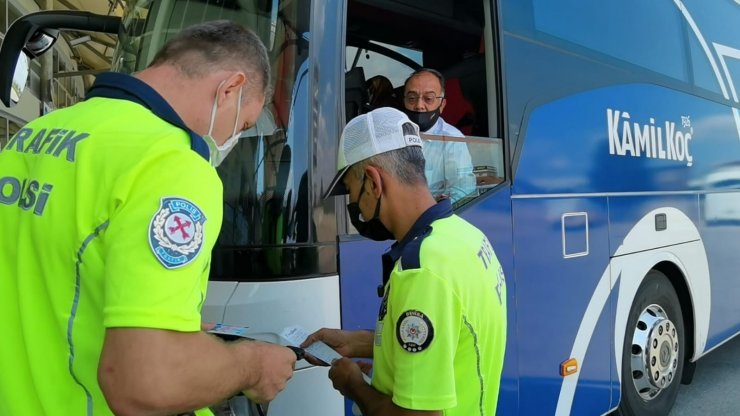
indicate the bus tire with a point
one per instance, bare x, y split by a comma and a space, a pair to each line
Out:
654, 349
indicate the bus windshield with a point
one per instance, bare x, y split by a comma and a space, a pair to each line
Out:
262, 176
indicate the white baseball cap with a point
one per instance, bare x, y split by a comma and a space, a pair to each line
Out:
379, 131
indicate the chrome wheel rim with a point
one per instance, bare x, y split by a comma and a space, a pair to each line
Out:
654, 352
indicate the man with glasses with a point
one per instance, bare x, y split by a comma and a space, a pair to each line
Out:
449, 169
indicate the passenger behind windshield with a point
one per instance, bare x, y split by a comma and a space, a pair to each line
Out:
449, 168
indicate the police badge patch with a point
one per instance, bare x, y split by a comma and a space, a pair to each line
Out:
176, 232
414, 331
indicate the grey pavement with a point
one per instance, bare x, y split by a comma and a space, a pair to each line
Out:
714, 391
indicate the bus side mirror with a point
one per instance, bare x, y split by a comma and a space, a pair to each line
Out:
20, 79
35, 33
39, 42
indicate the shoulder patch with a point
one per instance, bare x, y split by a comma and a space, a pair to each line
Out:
176, 232
414, 331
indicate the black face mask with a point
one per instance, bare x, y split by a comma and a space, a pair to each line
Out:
372, 228
424, 119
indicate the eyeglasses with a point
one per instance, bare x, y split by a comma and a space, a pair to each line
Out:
428, 99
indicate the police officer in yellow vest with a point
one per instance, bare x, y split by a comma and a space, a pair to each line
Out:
108, 212
438, 346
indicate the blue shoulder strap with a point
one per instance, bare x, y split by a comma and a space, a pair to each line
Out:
125, 87
409, 248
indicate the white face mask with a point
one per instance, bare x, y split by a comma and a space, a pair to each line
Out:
219, 153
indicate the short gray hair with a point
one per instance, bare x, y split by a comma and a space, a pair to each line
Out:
219, 44
440, 77
405, 164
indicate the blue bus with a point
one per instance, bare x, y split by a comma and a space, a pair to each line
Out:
605, 143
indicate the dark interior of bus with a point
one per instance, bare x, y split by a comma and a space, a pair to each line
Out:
448, 36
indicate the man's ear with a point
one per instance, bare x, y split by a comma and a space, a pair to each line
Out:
442, 106
376, 180
232, 85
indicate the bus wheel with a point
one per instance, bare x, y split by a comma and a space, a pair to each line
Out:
654, 349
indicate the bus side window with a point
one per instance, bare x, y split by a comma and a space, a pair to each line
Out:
488, 161
459, 111
466, 93
464, 156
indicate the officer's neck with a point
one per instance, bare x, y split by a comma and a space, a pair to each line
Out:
190, 98
405, 205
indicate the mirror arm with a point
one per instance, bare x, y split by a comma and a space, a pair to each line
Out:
24, 28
